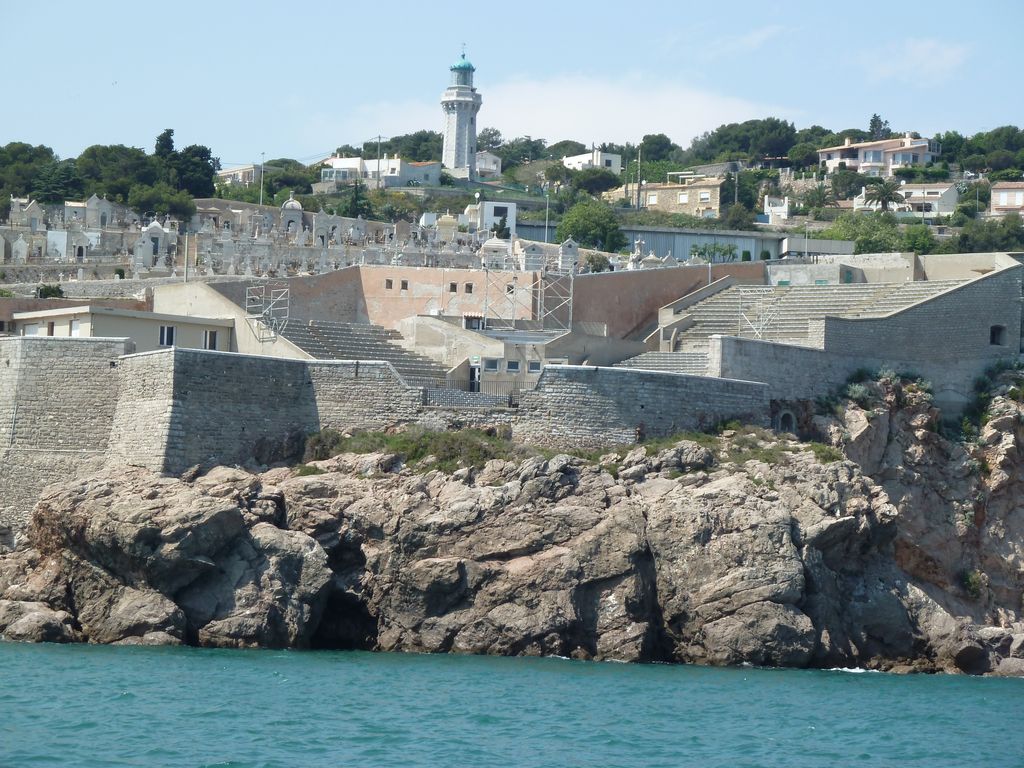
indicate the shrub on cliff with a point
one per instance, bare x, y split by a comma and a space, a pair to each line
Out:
449, 450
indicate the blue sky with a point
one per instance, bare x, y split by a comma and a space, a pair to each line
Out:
297, 79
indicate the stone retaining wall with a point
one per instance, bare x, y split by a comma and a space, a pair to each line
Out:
595, 407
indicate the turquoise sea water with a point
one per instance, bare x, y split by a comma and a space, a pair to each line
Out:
105, 706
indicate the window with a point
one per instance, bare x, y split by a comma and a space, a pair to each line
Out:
684, 197
389, 284
512, 366
652, 198
1018, 198
490, 364
209, 340
533, 366
467, 288
453, 287
1003, 198
500, 210
3, 326
997, 335
166, 335
405, 285
49, 328
76, 328
705, 197
608, 163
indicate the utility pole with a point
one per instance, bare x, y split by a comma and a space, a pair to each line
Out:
380, 177
263, 157
639, 155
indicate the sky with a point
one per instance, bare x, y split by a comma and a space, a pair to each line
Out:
297, 79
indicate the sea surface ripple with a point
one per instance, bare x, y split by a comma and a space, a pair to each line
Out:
122, 706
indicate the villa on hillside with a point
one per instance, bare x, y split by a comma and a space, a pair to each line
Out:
1007, 197
923, 200
879, 158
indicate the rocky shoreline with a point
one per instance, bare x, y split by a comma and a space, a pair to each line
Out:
904, 554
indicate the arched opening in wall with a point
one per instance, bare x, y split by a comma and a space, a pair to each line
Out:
322, 241
787, 422
103, 219
997, 335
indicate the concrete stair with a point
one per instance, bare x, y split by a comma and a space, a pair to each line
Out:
328, 340
788, 310
693, 363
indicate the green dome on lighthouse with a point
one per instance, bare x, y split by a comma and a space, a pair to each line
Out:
463, 64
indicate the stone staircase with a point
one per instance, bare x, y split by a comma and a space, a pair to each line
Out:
693, 363
329, 340
782, 313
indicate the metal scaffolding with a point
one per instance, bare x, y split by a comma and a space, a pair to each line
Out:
554, 299
757, 310
267, 307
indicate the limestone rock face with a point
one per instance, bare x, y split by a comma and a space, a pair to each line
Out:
747, 548
149, 559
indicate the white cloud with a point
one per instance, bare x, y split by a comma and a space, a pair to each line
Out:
914, 61
593, 109
583, 108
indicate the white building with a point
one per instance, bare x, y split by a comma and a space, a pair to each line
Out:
594, 159
879, 158
460, 103
241, 174
776, 209
488, 165
386, 172
486, 215
923, 200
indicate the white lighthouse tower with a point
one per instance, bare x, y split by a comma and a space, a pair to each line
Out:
460, 103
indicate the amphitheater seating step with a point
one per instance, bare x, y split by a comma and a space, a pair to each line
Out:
329, 340
783, 313
694, 363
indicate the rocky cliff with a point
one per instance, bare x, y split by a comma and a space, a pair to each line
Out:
747, 547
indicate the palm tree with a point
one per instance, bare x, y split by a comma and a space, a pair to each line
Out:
885, 192
820, 196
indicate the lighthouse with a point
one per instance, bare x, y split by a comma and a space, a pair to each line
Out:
460, 104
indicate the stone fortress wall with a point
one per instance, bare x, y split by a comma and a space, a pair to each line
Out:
71, 406
949, 340
57, 404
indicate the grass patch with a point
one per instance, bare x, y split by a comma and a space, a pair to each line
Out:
750, 447
451, 450
305, 469
825, 454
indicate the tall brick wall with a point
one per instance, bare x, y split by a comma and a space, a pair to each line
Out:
594, 407
66, 392
57, 401
181, 407
141, 425
791, 372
